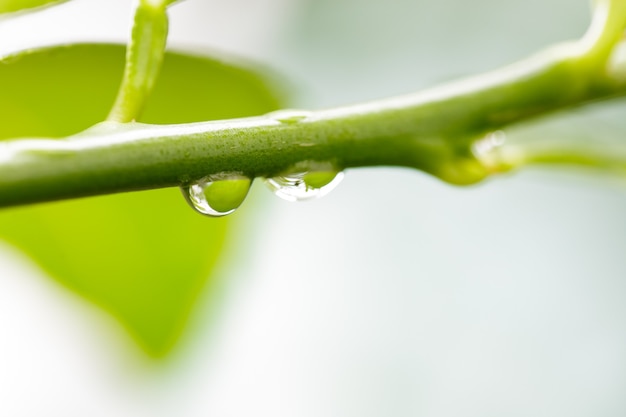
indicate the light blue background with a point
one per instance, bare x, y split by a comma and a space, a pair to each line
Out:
396, 295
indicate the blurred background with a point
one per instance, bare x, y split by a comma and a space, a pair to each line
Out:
395, 294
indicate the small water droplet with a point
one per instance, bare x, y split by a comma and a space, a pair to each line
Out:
488, 150
302, 185
217, 195
489, 143
289, 116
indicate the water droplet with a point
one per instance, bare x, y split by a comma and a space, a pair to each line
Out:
289, 116
489, 144
217, 195
301, 185
487, 149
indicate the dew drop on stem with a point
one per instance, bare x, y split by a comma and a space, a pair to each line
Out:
217, 195
487, 149
489, 143
289, 116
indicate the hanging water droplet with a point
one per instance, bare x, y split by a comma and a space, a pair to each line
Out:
301, 185
217, 195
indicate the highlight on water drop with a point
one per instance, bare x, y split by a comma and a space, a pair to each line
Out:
289, 116
306, 181
487, 149
489, 144
217, 195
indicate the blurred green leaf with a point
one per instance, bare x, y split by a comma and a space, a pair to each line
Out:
9, 6
145, 256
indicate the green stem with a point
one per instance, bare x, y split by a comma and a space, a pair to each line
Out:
11, 6
605, 159
605, 30
598, 156
433, 131
144, 56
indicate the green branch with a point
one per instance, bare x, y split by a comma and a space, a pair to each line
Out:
11, 6
438, 131
144, 56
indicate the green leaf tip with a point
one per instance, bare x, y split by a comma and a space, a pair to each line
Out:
143, 257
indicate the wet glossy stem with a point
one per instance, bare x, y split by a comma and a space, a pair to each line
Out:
431, 131
144, 55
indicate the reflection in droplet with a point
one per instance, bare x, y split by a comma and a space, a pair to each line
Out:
217, 195
487, 150
489, 143
301, 185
